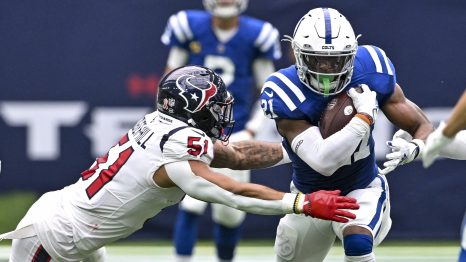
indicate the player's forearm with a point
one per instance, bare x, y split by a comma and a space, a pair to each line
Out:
457, 121
327, 155
263, 207
236, 187
195, 186
176, 57
415, 121
258, 191
457, 148
245, 155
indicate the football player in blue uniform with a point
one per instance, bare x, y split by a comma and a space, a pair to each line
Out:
329, 61
241, 50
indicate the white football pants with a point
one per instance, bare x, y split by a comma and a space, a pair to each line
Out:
306, 239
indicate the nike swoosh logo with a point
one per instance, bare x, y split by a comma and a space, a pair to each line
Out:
202, 134
269, 94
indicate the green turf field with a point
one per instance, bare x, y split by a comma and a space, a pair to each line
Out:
254, 251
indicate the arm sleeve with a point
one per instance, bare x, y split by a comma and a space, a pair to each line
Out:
327, 155
457, 148
181, 174
262, 68
177, 57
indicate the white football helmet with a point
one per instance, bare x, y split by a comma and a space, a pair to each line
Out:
225, 8
324, 46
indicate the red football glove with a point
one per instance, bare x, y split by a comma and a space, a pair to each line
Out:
326, 205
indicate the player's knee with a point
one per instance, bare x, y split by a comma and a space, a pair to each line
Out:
193, 205
357, 244
227, 216
285, 241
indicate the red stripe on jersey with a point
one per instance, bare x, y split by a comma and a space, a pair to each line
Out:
107, 175
123, 140
88, 173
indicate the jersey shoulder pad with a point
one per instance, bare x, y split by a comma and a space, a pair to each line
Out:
281, 94
179, 29
374, 68
373, 59
265, 37
187, 143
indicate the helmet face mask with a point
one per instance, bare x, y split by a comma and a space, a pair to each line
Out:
324, 46
197, 96
216, 119
225, 8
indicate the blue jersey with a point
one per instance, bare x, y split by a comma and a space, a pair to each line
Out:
232, 60
283, 96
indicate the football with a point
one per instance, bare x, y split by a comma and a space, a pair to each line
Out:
337, 114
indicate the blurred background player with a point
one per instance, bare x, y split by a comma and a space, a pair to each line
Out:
448, 140
329, 61
240, 49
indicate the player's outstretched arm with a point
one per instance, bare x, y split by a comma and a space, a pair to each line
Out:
250, 154
457, 121
455, 149
443, 139
199, 181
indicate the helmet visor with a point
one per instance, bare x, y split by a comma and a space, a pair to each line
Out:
223, 113
325, 64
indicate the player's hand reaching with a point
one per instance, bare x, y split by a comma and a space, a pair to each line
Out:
404, 150
365, 102
328, 205
435, 142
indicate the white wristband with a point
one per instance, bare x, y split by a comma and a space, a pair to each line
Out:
288, 203
420, 144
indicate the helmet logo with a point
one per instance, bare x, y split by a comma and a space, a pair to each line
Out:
195, 96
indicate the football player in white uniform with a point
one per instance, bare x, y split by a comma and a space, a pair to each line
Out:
163, 157
448, 140
241, 49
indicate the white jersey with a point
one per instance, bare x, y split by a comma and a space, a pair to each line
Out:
117, 194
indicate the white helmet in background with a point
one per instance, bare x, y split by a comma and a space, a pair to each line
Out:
324, 46
225, 8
